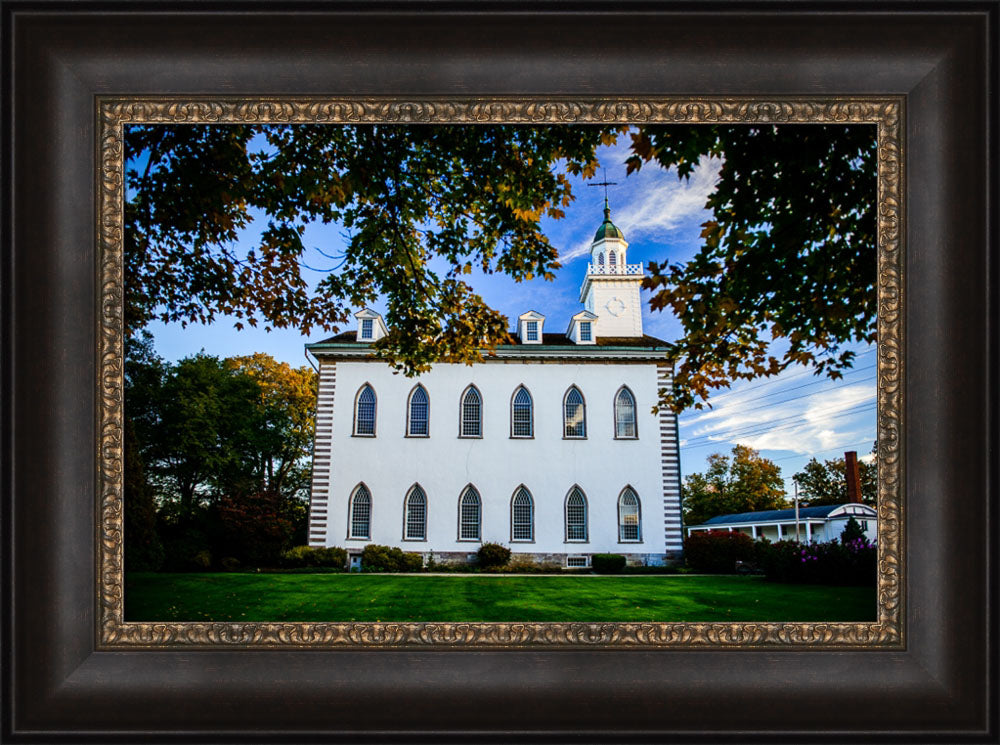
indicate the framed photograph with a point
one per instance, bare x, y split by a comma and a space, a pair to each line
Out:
91, 97
249, 485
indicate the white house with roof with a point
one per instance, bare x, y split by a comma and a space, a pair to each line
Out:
549, 447
816, 524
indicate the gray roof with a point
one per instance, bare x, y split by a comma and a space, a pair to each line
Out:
772, 515
548, 340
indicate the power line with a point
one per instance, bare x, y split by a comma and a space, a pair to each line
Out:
821, 452
796, 398
795, 417
762, 428
796, 376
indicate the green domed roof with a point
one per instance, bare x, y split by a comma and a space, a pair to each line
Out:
608, 229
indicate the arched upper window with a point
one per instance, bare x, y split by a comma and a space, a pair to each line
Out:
470, 515
417, 413
471, 413
600, 259
522, 516
364, 412
521, 418
576, 515
629, 516
415, 512
574, 414
359, 524
625, 419
612, 260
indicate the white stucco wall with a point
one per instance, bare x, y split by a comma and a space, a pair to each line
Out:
443, 464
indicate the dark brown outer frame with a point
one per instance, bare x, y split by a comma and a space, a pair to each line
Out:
57, 57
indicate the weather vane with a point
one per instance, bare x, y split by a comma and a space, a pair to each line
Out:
605, 184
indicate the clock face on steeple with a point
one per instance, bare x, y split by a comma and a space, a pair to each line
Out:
615, 306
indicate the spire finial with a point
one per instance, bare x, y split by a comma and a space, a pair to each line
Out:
606, 184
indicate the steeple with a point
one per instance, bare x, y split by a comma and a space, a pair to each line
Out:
611, 287
608, 229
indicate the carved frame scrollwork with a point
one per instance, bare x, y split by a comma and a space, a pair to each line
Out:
886, 632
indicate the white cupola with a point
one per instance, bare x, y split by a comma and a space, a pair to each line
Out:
371, 327
611, 287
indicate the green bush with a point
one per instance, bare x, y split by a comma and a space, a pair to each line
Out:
376, 558
493, 555
852, 531
332, 556
717, 551
307, 556
202, 560
607, 563
833, 563
230, 563
412, 562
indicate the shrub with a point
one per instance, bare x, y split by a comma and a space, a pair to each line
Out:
332, 556
376, 558
307, 556
833, 563
412, 562
852, 531
493, 555
202, 560
230, 563
717, 550
607, 563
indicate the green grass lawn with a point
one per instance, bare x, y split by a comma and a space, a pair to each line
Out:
366, 597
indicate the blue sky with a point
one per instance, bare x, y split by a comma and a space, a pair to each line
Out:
789, 418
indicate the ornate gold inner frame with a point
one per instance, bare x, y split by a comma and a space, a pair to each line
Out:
114, 114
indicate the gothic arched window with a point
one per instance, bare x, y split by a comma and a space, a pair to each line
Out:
521, 419
471, 413
364, 412
417, 413
469, 515
612, 260
574, 414
415, 511
576, 515
360, 523
629, 517
522, 516
625, 424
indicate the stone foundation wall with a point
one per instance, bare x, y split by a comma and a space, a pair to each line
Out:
464, 557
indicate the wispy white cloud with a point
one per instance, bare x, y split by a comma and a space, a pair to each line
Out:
656, 205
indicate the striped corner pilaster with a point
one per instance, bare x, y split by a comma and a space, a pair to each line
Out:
319, 493
670, 458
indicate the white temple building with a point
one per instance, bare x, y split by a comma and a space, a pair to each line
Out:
550, 447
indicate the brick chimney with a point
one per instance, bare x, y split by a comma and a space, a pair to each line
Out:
853, 477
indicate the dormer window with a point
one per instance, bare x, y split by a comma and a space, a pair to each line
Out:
581, 328
370, 327
529, 327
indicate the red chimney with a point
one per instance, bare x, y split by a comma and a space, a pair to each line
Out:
853, 477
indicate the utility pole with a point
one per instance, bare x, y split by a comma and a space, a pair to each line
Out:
796, 484
853, 476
